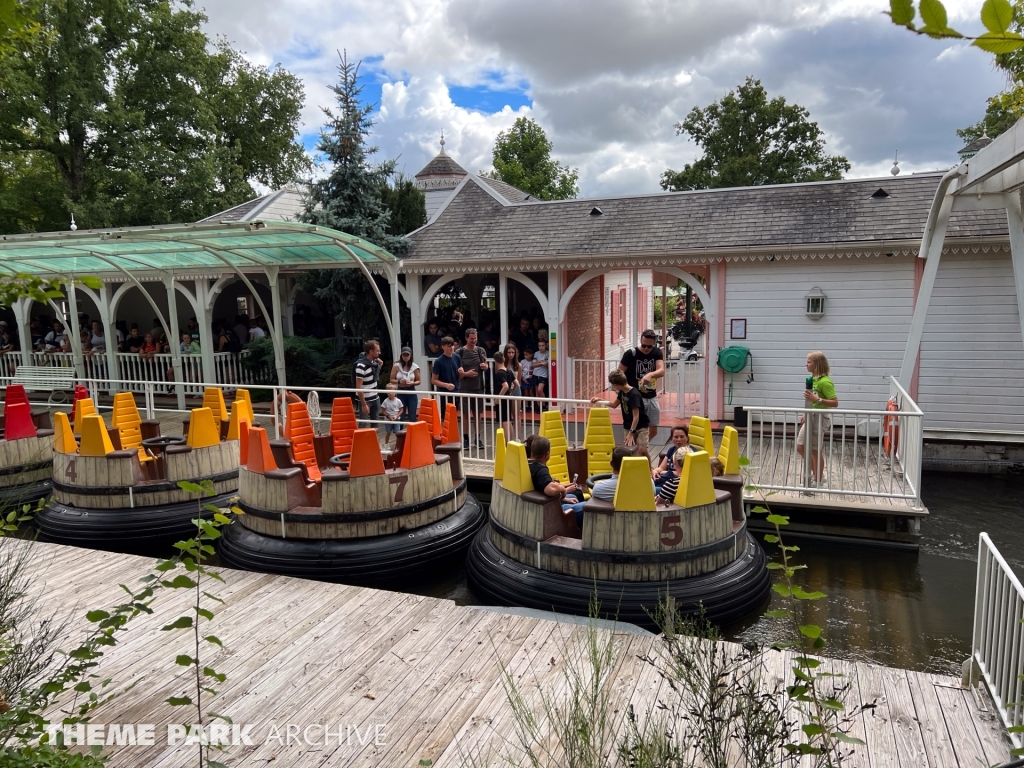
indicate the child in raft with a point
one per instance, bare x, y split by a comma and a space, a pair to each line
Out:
680, 442
667, 493
393, 410
538, 449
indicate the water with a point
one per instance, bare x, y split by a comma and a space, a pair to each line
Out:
887, 606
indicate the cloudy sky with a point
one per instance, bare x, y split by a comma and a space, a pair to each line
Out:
608, 79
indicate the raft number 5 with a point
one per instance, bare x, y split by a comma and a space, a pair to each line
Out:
70, 472
671, 530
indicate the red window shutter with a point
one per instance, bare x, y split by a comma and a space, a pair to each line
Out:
614, 327
622, 313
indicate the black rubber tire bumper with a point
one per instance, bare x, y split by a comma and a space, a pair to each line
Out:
372, 561
133, 529
726, 595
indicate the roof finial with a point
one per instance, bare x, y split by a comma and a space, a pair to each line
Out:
984, 130
442, 154
895, 170
74, 227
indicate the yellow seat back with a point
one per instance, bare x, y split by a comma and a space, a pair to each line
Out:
213, 398
700, 434
126, 420
245, 405
95, 440
499, 453
635, 489
599, 440
696, 486
553, 429
202, 429
729, 451
83, 408
63, 437
517, 469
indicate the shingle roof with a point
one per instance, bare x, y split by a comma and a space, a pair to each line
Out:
510, 193
285, 204
475, 225
976, 146
442, 165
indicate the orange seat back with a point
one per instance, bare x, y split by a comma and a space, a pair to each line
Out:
260, 458
430, 415
450, 433
81, 393
18, 421
366, 458
343, 424
419, 449
299, 430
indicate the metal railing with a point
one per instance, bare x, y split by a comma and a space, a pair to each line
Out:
158, 369
681, 391
874, 454
997, 643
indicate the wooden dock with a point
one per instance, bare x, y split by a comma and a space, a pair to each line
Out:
427, 671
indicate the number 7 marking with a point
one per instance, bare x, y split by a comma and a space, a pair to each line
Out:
400, 481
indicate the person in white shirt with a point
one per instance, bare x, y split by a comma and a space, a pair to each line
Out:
393, 410
541, 366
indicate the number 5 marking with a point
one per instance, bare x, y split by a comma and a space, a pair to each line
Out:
671, 530
400, 481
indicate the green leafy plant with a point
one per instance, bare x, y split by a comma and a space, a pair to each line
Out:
186, 571
818, 695
996, 15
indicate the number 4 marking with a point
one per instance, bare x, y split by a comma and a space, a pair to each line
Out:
70, 471
400, 481
671, 530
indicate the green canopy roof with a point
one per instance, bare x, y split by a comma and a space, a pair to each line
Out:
188, 250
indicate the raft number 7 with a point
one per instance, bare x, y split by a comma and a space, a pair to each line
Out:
400, 481
671, 530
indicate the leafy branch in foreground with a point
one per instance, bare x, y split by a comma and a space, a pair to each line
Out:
818, 695
996, 15
192, 556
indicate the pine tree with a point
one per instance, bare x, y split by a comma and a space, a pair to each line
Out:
349, 199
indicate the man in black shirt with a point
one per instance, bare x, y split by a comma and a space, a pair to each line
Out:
643, 365
524, 337
634, 415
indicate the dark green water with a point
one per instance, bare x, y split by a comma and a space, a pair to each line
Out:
904, 609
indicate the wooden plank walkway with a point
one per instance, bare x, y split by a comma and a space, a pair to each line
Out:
427, 671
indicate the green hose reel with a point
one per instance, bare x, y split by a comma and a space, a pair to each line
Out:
733, 360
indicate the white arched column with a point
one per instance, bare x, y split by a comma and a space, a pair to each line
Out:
713, 313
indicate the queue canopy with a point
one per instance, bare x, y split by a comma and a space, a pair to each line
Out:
189, 250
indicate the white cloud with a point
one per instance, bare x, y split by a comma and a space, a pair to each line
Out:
609, 78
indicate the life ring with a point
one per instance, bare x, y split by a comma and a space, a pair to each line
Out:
891, 429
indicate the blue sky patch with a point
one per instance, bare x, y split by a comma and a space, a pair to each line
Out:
485, 99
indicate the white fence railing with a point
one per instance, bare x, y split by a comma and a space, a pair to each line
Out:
681, 391
875, 454
157, 369
997, 644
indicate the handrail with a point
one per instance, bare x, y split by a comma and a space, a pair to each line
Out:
906, 395
997, 642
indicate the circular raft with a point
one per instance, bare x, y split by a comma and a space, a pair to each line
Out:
728, 594
377, 560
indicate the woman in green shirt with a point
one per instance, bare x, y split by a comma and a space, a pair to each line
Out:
820, 395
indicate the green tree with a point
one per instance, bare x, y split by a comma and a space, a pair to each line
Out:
349, 199
406, 203
16, 24
1005, 108
136, 118
522, 158
748, 140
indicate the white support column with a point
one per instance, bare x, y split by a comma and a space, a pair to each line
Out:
554, 325
172, 338
1015, 219
419, 350
503, 307
275, 327
110, 334
75, 333
207, 341
285, 286
396, 315
932, 253
23, 311
634, 339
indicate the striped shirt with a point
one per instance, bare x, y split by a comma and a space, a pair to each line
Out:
367, 372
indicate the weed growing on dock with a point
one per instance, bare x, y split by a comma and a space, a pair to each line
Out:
723, 708
818, 695
192, 554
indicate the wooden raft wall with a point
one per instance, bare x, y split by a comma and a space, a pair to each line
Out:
667, 529
26, 451
203, 462
398, 488
513, 512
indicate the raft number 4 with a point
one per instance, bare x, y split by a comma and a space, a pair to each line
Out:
671, 530
70, 472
